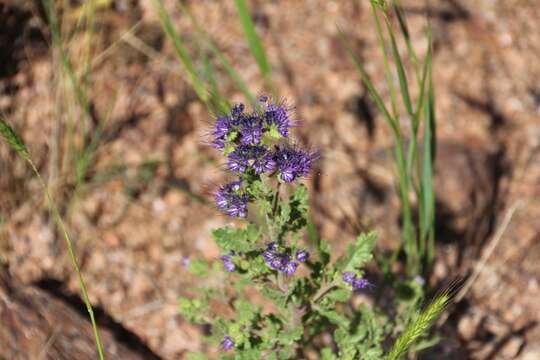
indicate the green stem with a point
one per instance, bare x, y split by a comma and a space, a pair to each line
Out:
323, 291
71, 252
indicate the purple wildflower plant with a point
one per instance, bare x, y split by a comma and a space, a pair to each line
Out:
227, 343
257, 143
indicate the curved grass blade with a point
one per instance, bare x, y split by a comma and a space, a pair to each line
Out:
181, 50
403, 83
18, 145
254, 41
240, 83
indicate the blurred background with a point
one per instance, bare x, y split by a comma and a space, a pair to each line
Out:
114, 123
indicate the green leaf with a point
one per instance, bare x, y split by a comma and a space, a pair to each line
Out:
328, 354
193, 310
279, 298
357, 254
339, 295
238, 240
13, 140
293, 214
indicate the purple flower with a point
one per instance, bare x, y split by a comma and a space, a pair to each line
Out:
237, 110
293, 162
227, 343
238, 160
359, 284
268, 256
227, 263
276, 116
251, 130
272, 246
251, 156
222, 126
349, 277
290, 268
302, 255
230, 200
278, 262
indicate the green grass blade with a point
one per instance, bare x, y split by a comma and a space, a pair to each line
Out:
412, 151
403, 83
382, 44
254, 41
419, 327
369, 85
233, 74
67, 65
406, 34
84, 159
181, 50
219, 103
409, 239
428, 190
18, 145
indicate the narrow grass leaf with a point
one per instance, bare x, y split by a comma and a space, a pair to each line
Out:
405, 32
18, 145
369, 85
233, 74
430, 145
181, 50
403, 83
254, 41
382, 43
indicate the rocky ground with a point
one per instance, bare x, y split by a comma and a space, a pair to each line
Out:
143, 208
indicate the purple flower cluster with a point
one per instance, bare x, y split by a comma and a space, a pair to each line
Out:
227, 343
257, 143
231, 200
228, 263
282, 261
357, 283
293, 163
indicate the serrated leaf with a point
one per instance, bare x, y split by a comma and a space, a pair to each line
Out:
238, 240
293, 214
358, 254
339, 295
